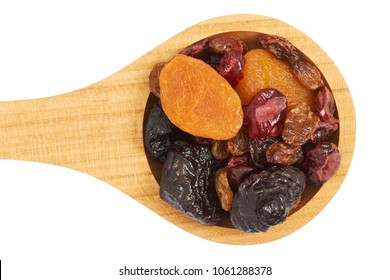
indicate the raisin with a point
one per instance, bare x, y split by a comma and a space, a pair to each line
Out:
224, 192
159, 133
219, 150
258, 148
299, 125
223, 44
321, 163
154, 81
284, 153
238, 168
187, 182
265, 113
239, 144
308, 74
280, 47
265, 199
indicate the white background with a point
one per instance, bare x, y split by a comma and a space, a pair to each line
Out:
57, 223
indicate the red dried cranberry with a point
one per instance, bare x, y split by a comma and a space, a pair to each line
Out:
321, 163
238, 168
265, 113
230, 67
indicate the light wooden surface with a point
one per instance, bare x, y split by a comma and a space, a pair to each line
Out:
98, 130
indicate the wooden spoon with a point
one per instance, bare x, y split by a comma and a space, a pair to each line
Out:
98, 129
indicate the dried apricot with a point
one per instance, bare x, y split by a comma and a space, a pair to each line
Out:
198, 100
264, 70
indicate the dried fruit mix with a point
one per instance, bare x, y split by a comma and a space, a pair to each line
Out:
241, 131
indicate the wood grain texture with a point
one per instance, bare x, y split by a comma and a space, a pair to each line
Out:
98, 129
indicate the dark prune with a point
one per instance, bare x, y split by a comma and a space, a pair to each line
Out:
299, 125
159, 133
187, 182
265, 113
308, 74
265, 199
321, 163
238, 168
280, 47
258, 148
154, 81
239, 144
326, 107
284, 153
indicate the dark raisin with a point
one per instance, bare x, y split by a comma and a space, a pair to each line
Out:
258, 148
265, 199
154, 82
321, 163
308, 74
239, 144
280, 47
187, 182
284, 153
265, 113
299, 125
159, 133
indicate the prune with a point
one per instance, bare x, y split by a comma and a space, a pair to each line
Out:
321, 163
159, 133
238, 168
308, 74
239, 144
265, 113
284, 153
326, 107
299, 125
280, 47
224, 192
265, 199
258, 148
219, 150
154, 81
187, 182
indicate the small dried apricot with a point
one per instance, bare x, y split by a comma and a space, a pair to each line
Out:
264, 70
198, 100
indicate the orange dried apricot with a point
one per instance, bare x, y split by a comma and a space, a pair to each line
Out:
198, 100
264, 70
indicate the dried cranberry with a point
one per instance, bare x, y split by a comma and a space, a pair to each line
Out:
265, 113
321, 163
238, 168
197, 50
230, 67
154, 81
326, 107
